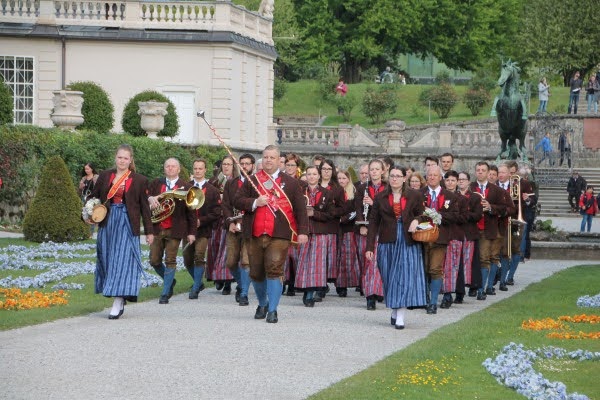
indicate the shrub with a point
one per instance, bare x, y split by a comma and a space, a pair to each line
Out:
425, 96
443, 77
279, 89
345, 105
55, 213
97, 109
369, 75
131, 119
6, 104
443, 99
377, 104
327, 83
476, 99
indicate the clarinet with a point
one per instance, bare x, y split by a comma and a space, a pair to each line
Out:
365, 206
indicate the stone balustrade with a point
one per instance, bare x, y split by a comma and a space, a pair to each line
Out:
141, 14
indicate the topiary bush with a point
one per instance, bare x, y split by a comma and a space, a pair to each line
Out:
131, 120
6, 104
279, 89
55, 213
443, 98
97, 109
345, 104
377, 104
475, 99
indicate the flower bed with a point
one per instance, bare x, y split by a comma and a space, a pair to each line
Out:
14, 299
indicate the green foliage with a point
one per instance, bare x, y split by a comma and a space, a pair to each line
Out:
443, 77
417, 111
545, 225
327, 84
353, 175
369, 75
131, 120
484, 80
24, 149
6, 104
55, 213
97, 109
475, 99
377, 104
279, 88
345, 105
443, 98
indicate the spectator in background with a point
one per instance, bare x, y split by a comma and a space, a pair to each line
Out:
543, 93
546, 147
447, 162
588, 206
592, 89
341, 89
575, 188
279, 130
564, 145
575, 84
493, 174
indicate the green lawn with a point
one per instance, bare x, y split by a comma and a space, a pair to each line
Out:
301, 99
452, 356
81, 302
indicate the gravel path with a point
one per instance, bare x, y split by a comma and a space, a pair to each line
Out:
214, 349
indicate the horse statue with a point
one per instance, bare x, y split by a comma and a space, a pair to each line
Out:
511, 110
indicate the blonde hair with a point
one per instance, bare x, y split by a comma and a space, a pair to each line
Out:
349, 189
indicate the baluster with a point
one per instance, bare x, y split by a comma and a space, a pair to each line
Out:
20, 7
122, 9
74, 8
28, 6
3, 6
12, 7
57, 7
143, 10
114, 11
181, 13
90, 9
189, 13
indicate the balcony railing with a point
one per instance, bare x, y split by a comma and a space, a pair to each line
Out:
141, 14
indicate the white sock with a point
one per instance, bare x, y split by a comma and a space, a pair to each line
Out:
400, 316
117, 306
394, 312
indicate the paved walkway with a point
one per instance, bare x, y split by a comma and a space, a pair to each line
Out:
214, 349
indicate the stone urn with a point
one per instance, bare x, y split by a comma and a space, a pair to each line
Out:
67, 109
152, 115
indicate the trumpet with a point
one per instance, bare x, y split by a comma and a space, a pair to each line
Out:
515, 194
194, 199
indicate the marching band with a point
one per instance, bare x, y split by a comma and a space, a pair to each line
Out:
284, 229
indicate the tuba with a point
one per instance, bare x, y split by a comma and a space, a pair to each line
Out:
515, 195
194, 199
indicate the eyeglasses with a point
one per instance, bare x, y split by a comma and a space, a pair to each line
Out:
226, 164
326, 169
396, 176
462, 179
290, 165
242, 163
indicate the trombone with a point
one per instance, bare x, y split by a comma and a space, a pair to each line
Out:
515, 195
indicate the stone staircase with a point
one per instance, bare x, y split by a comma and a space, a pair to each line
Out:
553, 195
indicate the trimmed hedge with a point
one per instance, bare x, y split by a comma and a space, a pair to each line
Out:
55, 213
6, 104
97, 109
131, 120
24, 149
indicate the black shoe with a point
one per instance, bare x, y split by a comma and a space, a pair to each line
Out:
371, 304
291, 291
490, 291
393, 320
110, 316
445, 304
243, 301
309, 303
399, 326
261, 312
343, 292
326, 289
194, 294
238, 291
272, 317
432, 309
164, 299
472, 292
481, 296
510, 282
219, 285
304, 298
321, 293
459, 298
317, 298
226, 289
503, 288
171, 288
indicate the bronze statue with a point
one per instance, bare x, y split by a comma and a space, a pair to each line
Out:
511, 110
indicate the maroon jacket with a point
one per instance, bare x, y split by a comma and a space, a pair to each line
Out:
382, 219
209, 213
471, 215
448, 208
323, 220
135, 199
245, 196
498, 204
358, 199
184, 219
229, 191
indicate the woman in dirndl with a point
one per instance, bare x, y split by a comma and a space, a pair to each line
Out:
311, 274
119, 260
396, 212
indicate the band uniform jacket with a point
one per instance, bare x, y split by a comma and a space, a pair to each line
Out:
184, 219
359, 207
229, 191
448, 209
511, 211
135, 198
245, 196
209, 212
323, 220
498, 204
382, 219
472, 215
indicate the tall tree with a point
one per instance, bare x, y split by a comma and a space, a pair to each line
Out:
560, 34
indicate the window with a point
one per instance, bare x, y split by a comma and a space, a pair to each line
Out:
17, 73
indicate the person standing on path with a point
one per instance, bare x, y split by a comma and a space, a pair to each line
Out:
564, 146
341, 89
575, 188
274, 216
589, 208
546, 147
575, 85
543, 94
592, 89
119, 262
396, 213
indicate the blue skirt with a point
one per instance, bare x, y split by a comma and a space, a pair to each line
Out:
119, 258
402, 272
